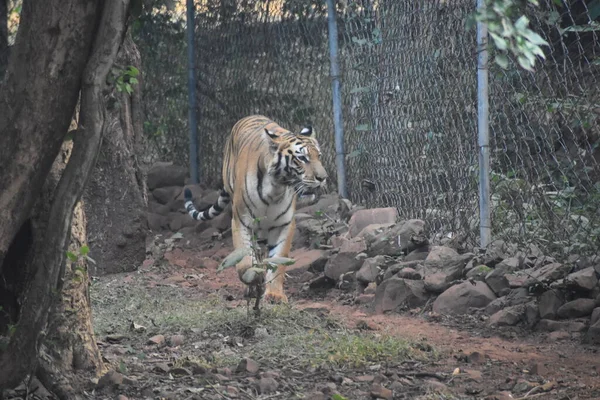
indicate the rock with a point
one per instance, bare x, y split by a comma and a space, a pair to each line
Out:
584, 280
111, 378
157, 222
178, 221
157, 340
497, 251
409, 273
396, 292
558, 335
180, 371
532, 314
418, 254
363, 218
460, 298
165, 195
370, 269
165, 174
396, 268
513, 298
248, 365
595, 316
399, 239
380, 392
370, 232
593, 334
440, 274
307, 260
509, 316
176, 340
548, 325
547, 274
267, 385
576, 308
510, 264
497, 282
440, 253
478, 273
347, 260
476, 357
549, 303
321, 282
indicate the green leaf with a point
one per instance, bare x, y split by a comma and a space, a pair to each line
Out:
71, 256
521, 23
502, 60
534, 38
84, 250
338, 397
501, 43
133, 71
233, 259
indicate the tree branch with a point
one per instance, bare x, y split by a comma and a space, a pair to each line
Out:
50, 254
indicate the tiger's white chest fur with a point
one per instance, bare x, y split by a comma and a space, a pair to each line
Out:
270, 205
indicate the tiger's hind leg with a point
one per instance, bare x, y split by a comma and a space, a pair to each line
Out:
280, 243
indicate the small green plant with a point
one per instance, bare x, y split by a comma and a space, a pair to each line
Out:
83, 253
254, 276
125, 79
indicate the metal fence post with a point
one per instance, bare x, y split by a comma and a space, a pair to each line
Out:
485, 226
194, 175
337, 99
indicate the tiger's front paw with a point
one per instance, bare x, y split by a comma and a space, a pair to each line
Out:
276, 297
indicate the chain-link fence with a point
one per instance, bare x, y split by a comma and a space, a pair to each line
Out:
409, 105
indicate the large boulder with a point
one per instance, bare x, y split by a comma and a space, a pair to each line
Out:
550, 301
461, 298
349, 259
163, 174
584, 280
439, 273
396, 292
364, 218
576, 308
399, 239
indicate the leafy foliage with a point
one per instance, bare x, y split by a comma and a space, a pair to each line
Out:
510, 35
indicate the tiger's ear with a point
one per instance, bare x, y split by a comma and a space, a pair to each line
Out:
270, 134
307, 131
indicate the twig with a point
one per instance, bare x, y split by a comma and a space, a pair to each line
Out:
437, 376
533, 396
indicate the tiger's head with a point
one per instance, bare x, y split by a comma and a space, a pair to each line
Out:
297, 160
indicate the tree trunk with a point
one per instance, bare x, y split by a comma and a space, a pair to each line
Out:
3, 36
37, 99
55, 37
69, 354
115, 196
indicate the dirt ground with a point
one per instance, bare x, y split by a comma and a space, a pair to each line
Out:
177, 329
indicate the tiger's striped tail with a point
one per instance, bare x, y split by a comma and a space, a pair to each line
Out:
209, 213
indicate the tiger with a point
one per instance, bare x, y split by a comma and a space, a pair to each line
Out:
265, 169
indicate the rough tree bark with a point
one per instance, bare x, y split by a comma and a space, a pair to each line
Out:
3, 36
68, 355
75, 43
115, 196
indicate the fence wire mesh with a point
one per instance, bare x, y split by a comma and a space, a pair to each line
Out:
409, 104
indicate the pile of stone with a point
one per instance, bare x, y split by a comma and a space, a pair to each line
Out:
393, 267
166, 211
